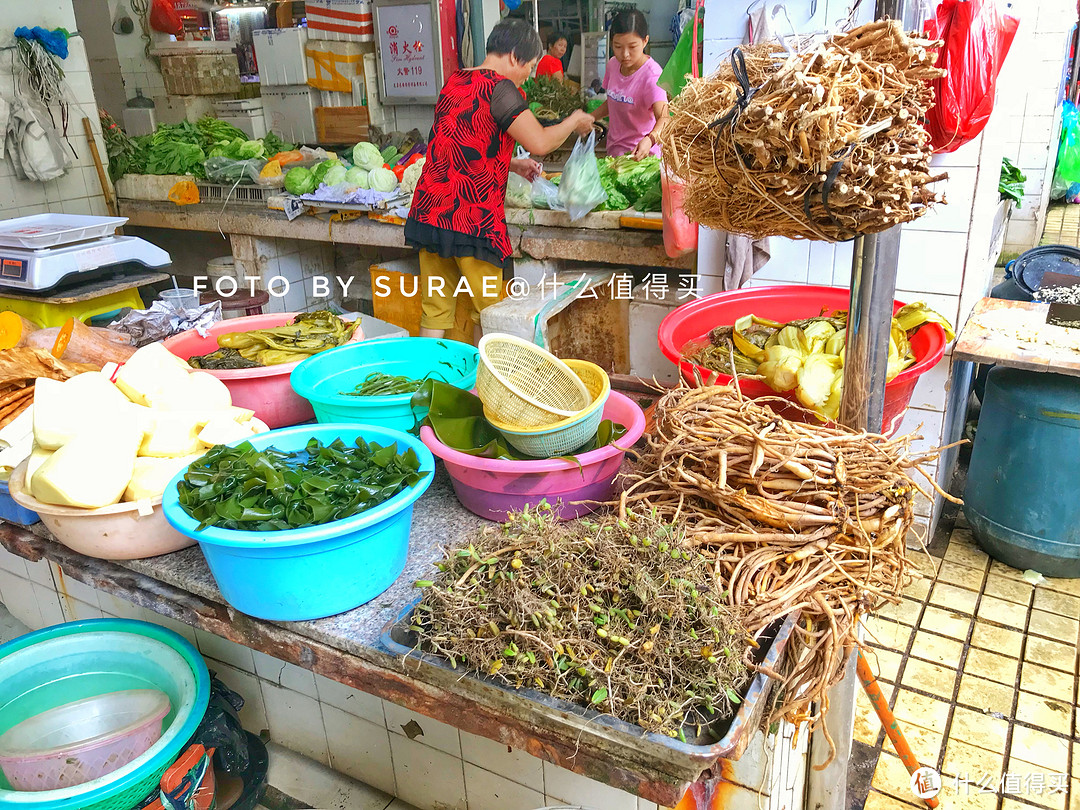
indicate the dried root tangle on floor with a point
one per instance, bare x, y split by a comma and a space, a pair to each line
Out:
829, 145
795, 517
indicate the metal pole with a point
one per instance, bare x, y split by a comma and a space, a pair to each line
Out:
536, 16
873, 287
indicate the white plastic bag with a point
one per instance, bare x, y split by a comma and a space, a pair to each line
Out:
580, 189
545, 194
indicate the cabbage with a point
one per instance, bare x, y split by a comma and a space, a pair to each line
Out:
320, 171
411, 176
336, 175
382, 180
300, 181
356, 177
367, 156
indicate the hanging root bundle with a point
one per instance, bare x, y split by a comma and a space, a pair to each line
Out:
825, 144
617, 614
794, 517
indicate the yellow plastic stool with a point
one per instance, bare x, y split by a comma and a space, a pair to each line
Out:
46, 313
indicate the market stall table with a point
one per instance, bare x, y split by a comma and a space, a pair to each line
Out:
1015, 334
634, 248
347, 648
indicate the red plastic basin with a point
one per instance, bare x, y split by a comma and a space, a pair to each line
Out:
695, 319
264, 390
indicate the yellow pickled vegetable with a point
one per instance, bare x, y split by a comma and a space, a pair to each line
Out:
781, 367
816, 378
805, 356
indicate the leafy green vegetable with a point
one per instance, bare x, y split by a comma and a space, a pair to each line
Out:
300, 181
273, 144
214, 131
121, 150
319, 172
357, 177
367, 156
650, 200
239, 149
627, 180
457, 417
553, 98
382, 180
1011, 182
245, 489
176, 149
336, 175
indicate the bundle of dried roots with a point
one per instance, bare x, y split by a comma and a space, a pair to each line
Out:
795, 517
824, 144
616, 614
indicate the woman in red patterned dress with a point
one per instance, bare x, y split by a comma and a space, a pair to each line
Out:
457, 219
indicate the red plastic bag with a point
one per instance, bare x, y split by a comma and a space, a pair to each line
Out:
680, 233
163, 18
977, 37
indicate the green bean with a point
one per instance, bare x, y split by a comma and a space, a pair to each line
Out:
377, 384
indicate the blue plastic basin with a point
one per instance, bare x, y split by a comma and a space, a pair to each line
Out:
318, 571
321, 378
67, 662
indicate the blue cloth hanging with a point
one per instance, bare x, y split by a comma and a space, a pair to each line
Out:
55, 42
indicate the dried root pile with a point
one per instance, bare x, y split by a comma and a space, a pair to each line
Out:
617, 614
824, 144
794, 517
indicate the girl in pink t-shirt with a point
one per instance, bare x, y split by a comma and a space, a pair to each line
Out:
635, 103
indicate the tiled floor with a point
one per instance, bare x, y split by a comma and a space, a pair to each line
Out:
980, 668
1062, 225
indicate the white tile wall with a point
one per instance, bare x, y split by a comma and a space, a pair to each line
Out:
78, 190
361, 735
1029, 88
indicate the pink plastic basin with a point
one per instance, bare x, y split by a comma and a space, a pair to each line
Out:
264, 390
492, 488
694, 321
82, 741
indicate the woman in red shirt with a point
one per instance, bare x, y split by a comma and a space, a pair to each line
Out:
551, 64
457, 218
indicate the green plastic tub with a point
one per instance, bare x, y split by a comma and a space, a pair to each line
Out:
76, 660
323, 377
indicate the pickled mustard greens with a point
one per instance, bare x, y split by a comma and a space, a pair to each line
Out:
804, 356
222, 359
308, 334
245, 489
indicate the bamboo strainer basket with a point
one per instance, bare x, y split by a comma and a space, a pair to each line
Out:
525, 386
567, 435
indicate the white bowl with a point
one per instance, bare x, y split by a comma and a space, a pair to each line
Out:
116, 532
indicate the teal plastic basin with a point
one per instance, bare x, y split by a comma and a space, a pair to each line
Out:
321, 378
318, 571
1021, 499
76, 660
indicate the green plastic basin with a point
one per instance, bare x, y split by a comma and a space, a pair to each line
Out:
76, 660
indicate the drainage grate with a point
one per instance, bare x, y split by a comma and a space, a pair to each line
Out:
245, 194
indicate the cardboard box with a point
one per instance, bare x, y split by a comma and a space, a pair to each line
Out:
201, 74
279, 53
289, 112
341, 124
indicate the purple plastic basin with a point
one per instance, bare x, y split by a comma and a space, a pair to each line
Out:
492, 488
